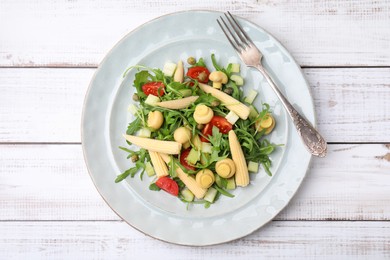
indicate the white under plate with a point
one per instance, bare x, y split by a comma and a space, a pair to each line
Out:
105, 118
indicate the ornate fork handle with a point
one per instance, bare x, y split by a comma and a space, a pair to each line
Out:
312, 140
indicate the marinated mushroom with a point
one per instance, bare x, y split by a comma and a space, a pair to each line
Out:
267, 123
218, 78
205, 178
225, 168
182, 135
203, 114
155, 119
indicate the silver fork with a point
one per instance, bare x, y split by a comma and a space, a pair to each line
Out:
252, 56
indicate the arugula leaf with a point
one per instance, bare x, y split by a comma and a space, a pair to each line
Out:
134, 126
219, 144
179, 183
154, 187
223, 192
267, 165
267, 149
215, 138
131, 152
140, 79
132, 171
139, 165
158, 75
227, 71
224, 183
200, 63
206, 99
215, 64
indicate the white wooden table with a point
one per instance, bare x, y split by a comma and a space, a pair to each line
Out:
50, 209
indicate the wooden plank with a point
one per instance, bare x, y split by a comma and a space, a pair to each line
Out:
352, 104
71, 33
351, 183
44, 105
115, 240
50, 182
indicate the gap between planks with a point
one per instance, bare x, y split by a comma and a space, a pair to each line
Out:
47, 104
121, 220
112, 240
95, 66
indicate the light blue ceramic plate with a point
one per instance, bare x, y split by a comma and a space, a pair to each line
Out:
105, 119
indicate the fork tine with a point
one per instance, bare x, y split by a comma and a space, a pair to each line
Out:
238, 29
228, 37
231, 35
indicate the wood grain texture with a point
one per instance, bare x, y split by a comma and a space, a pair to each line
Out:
351, 183
79, 33
50, 182
42, 105
116, 240
352, 104
45, 105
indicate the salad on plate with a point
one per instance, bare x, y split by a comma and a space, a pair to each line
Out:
196, 135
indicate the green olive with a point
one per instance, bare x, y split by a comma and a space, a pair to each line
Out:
134, 158
191, 60
200, 126
228, 91
215, 103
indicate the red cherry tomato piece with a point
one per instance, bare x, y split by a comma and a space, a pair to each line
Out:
223, 125
167, 184
220, 122
155, 88
199, 73
183, 159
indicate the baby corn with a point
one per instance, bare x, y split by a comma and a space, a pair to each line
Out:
191, 184
168, 147
242, 174
230, 102
160, 167
178, 103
